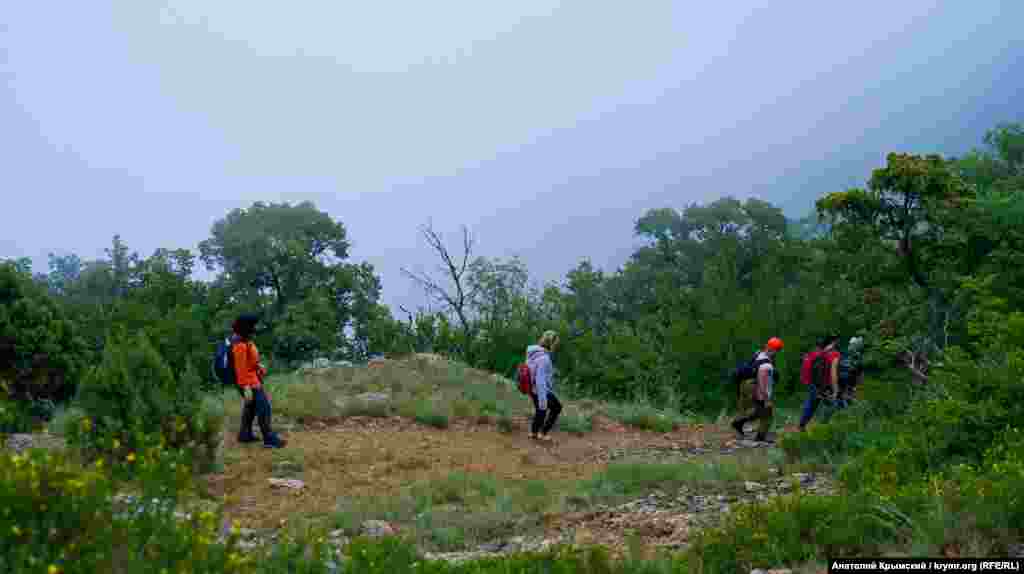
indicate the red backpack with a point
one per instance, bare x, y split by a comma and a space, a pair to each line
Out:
525, 379
806, 370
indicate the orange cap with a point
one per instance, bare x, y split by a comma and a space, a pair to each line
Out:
775, 344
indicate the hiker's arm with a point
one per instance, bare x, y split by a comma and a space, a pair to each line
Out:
835, 377
764, 380
541, 382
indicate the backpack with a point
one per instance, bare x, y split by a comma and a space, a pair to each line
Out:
820, 370
806, 370
746, 370
223, 364
849, 368
524, 377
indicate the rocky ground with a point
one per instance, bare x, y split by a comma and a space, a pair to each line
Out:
24, 441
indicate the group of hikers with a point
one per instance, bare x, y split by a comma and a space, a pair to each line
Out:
237, 363
831, 377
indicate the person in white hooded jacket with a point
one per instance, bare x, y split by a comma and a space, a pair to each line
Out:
546, 405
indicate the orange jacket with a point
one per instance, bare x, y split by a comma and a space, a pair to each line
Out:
248, 372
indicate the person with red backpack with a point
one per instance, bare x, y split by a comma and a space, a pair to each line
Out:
536, 379
820, 373
766, 377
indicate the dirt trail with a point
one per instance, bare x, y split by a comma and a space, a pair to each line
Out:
365, 456
378, 457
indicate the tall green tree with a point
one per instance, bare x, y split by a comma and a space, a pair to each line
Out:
286, 250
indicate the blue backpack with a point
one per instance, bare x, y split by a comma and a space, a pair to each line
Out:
223, 366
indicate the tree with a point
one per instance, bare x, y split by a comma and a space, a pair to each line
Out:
41, 352
282, 249
457, 295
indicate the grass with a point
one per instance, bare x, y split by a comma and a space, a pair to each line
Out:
625, 480
287, 463
457, 511
575, 422
462, 510
645, 416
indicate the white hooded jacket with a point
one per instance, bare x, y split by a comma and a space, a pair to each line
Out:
542, 371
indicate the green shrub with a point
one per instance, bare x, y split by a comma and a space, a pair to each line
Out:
62, 517
793, 529
14, 417
66, 418
132, 399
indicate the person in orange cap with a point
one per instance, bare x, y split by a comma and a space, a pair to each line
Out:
762, 392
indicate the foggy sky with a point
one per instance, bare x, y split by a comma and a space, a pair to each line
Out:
547, 127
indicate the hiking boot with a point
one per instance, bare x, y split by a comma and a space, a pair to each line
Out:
765, 438
247, 439
279, 443
738, 427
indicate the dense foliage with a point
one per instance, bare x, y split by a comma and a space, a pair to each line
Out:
925, 262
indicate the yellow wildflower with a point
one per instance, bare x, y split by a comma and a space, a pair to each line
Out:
131, 457
53, 569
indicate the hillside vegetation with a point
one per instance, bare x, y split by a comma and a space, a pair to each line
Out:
419, 462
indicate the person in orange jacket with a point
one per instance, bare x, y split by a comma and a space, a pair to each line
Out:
763, 392
249, 373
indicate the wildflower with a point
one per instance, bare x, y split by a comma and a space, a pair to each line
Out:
16, 530
117, 444
130, 457
53, 569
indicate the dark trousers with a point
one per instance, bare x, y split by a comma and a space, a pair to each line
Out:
810, 405
761, 412
544, 420
259, 409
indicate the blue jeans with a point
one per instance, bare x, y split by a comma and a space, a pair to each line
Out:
810, 405
259, 409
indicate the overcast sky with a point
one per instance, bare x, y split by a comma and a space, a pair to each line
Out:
547, 127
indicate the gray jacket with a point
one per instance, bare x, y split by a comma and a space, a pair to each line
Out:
542, 371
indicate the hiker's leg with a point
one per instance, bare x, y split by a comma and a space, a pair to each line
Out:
538, 418
263, 416
810, 405
248, 415
765, 422
536, 408
554, 409
743, 404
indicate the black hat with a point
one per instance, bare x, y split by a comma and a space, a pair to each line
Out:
245, 324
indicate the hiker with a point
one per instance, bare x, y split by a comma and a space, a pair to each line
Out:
762, 392
249, 373
820, 372
851, 370
546, 405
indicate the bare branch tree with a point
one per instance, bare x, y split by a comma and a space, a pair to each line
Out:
456, 298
